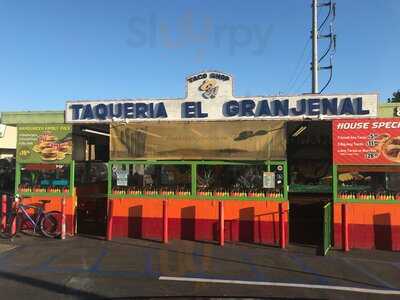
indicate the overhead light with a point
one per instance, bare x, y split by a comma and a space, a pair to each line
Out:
95, 132
299, 130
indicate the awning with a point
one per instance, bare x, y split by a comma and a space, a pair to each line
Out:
220, 140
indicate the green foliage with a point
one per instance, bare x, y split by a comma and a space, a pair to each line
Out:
395, 97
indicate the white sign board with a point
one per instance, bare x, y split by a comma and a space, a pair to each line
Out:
122, 177
210, 98
269, 180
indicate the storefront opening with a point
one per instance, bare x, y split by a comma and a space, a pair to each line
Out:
91, 153
309, 145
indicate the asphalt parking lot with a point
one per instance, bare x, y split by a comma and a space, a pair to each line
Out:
88, 268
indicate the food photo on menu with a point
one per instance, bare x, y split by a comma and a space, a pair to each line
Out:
51, 149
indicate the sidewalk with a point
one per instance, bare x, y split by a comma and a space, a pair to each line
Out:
84, 268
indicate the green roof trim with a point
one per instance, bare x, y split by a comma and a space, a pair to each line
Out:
33, 117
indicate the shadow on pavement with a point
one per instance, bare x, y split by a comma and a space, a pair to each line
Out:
79, 294
54, 287
250, 264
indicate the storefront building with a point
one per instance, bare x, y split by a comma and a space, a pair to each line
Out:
278, 169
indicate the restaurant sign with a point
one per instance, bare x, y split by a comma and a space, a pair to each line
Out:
210, 98
50, 143
366, 141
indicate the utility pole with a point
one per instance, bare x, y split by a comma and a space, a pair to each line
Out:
314, 36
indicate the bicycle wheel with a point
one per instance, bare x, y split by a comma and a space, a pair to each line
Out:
50, 225
11, 227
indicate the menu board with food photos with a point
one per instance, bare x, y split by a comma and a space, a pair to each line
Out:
47, 143
366, 141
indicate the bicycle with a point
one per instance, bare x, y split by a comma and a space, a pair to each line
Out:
48, 223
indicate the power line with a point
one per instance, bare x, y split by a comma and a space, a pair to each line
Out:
303, 82
299, 71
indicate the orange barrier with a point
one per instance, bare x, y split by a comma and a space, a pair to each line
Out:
191, 219
367, 226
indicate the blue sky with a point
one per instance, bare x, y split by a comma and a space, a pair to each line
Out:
53, 51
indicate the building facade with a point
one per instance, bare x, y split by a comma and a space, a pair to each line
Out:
279, 169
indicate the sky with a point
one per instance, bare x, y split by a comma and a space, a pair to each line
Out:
58, 50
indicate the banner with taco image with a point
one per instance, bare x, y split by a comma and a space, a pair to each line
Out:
47, 143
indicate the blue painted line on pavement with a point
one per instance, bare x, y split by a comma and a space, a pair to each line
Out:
369, 274
198, 257
396, 264
9, 254
197, 261
96, 265
45, 265
259, 276
7, 258
321, 279
149, 265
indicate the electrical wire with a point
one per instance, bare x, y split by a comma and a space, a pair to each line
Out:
321, 27
330, 78
299, 70
303, 82
327, 50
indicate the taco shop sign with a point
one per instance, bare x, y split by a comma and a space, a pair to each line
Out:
209, 97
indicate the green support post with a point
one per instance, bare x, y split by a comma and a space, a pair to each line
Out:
72, 178
334, 182
17, 177
194, 179
285, 181
109, 178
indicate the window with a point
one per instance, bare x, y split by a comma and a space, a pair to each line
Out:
369, 183
235, 179
151, 179
49, 178
90, 172
239, 180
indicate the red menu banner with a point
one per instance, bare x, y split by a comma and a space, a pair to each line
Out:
366, 141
